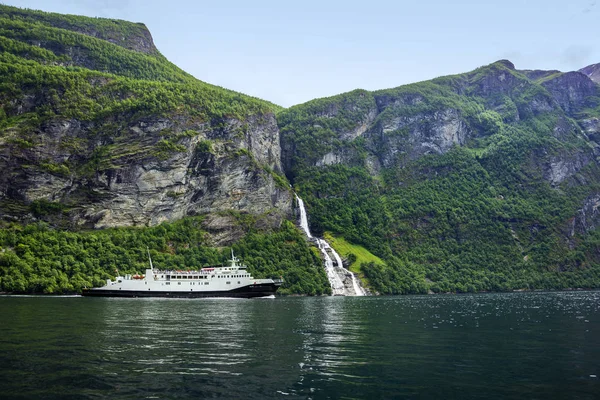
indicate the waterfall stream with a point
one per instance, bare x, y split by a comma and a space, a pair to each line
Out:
342, 281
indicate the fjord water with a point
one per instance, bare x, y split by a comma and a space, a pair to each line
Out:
517, 345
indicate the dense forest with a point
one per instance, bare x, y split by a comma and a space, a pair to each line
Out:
39, 259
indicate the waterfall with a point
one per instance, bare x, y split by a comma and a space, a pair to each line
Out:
358, 290
303, 217
337, 284
336, 274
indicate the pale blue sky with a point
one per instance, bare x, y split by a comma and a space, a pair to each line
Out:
292, 52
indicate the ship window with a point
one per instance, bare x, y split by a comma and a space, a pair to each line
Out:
179, 283
228, 283
206, 283
239, 282
168, 283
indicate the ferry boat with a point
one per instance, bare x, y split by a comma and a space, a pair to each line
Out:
232, 280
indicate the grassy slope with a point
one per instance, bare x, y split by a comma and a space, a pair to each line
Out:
360, 255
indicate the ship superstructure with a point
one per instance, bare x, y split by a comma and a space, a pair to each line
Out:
232, 280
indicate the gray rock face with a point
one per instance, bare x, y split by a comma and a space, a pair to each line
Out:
408, 138
591, 125
126, 178
565, 166
592, 71
571, 90
587, 218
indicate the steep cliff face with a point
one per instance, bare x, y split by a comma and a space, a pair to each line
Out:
572, 90
128, 140
138, 177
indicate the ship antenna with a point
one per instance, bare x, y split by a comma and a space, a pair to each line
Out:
149, 258
233, 259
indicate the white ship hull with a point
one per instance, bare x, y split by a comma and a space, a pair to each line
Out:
229, 281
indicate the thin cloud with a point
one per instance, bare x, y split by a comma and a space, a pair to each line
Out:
576, 57
589, 7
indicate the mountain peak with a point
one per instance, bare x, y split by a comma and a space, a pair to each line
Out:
129, 35
592, 71
506, 63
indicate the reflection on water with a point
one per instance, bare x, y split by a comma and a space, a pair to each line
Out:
520, 345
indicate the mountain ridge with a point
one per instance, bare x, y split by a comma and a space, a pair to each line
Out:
356, 157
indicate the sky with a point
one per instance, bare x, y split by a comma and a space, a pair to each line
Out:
289, 52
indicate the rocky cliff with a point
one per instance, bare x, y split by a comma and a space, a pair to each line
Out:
593, 71
405, 123
99, 130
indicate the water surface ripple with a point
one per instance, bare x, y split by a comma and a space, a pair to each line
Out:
504, 346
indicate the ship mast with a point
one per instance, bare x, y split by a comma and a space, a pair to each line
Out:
233, 259
149, 258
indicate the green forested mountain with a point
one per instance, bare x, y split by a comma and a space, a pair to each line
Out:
487, 180
99, 131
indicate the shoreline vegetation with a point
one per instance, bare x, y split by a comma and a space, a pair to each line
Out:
76, 294
37, 258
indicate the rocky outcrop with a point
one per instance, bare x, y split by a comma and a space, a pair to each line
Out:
586, 219
407, 138
592, 71
150, 171
572, 90
564, 166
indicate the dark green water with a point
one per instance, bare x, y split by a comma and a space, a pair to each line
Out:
521, 345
